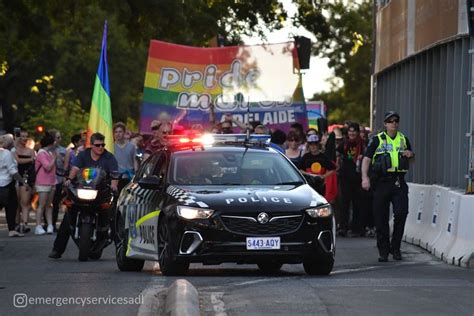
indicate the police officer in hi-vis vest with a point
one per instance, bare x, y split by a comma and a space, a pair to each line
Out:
388, 155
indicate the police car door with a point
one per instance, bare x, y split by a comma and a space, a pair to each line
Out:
143, 213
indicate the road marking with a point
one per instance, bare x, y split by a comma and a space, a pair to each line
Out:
354, 270
342, 271
218, 304
393, 264
262, 280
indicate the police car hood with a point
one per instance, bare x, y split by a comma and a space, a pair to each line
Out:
243, 199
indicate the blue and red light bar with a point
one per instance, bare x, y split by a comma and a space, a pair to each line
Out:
205, 140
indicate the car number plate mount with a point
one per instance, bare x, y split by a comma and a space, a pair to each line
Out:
263, 243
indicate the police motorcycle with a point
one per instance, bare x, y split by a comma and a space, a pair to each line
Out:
90, 204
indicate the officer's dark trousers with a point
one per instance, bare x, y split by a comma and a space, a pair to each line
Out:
62, 236
386, 191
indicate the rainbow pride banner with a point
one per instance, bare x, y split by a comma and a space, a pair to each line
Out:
253, 83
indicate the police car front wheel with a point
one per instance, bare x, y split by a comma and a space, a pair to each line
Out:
167, 248
319, 266
121, 246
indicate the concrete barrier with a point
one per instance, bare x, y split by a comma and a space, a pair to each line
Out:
441, 221
438, 216
448, 220
182, 298
462, 251
418, 217
432, 228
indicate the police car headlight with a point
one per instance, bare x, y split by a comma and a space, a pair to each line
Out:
86, 194
194, 213
320, 211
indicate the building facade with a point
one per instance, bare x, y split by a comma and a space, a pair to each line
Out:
423, 69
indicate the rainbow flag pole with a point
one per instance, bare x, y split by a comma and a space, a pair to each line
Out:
100, 118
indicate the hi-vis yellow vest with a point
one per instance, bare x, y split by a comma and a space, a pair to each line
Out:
392, 147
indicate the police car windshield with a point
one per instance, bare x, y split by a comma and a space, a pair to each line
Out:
255, 167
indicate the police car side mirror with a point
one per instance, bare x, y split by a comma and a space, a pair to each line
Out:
309, 179
317, 183
139, 157
150, 183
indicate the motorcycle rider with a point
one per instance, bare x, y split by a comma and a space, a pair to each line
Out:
95, 157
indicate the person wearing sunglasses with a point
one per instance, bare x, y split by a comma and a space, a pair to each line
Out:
94, 157
388, 154
294, 151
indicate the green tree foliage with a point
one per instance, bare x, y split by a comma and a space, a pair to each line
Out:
343, 30
55, 109
63, 39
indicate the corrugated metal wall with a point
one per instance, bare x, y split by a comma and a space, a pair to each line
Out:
429, 91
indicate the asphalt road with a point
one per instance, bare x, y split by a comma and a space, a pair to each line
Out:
359, 285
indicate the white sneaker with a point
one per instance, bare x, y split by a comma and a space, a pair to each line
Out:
39, 230
50, 229
14, 233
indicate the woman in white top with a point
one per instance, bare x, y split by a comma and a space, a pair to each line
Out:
8, 173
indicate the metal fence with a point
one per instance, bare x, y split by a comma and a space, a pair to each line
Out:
431, 91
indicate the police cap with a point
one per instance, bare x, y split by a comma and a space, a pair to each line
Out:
390, 114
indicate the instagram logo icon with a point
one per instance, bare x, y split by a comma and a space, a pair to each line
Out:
20, 300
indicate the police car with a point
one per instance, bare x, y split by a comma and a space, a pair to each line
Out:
222, 198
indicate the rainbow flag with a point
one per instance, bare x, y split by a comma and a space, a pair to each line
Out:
100, 118
253, 83
315, 110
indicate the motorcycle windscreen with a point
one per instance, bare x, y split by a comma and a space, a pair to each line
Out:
90, 177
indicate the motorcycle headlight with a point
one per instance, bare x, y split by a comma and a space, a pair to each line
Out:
86, 194
324, 210
194, 213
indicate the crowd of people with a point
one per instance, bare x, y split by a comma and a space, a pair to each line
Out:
32, 174
34, 184
333, 157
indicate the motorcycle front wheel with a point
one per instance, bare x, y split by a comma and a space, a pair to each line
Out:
85, 233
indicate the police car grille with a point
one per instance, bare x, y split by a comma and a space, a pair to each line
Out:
246, 226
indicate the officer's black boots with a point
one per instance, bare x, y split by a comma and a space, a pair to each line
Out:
383, 258
54, 254
397, 255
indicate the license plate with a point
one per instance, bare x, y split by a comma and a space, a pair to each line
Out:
263, 243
